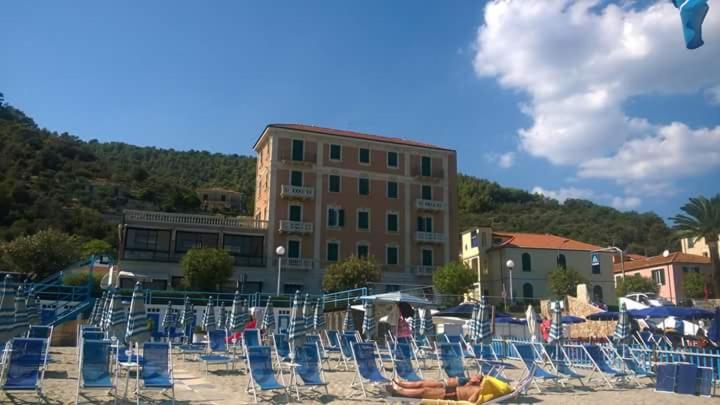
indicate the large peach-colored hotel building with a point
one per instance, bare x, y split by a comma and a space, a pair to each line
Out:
324, 195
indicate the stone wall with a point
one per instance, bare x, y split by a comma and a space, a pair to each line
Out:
587, 329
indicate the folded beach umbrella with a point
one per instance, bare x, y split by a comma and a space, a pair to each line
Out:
99, 305
296, 330
222, 317
307, 313
118, 318
531, 319
556, 331
209, 318
426, 323
237, 315
473, 322
484, 334
348, 323
415, 324
168, 320
368, 325
622, 329
94, 311
185, 318
319, 316
21, 315
104, 320
137, 326
31, 305
692, 15
268, 320
7, 309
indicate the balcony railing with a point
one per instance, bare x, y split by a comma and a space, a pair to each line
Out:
422, 270
297, 263
432, 237
434, 174
135, 216
308, 158
295, 226
430, 205
290, 191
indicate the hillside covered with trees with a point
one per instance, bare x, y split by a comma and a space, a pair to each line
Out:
55, 180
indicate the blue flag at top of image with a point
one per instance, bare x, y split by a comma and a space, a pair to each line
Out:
692, 14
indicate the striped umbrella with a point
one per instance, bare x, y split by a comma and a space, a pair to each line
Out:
268, 321
222, 317
137, 326
622, 329
415, 324
117, 316
307, 313
483, 334
209, 318
426, 323
556, 330
168, 320
473, 322
186, 316
100, 303
103, 319
296, 330
237, 315
319, 316
94, 311
32, 306
7, 309
21, 315
368, 325
348, 323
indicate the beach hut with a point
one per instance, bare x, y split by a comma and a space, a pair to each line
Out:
137, 331
296, 330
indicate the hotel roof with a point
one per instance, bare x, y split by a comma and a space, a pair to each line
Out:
540, 241
660, 260
353, 135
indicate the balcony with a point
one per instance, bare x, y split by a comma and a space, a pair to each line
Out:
422, 270
288, 226
290, 191
435, 174
431, 237
429, 205
308, 158
200, 221
297, 263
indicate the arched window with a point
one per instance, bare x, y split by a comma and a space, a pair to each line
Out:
597, 294
526, 262
561, 261
527, 290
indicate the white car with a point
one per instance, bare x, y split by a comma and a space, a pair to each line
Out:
644, 300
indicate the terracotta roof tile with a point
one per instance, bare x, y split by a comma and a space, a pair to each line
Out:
356, 135
660, 260
541, 241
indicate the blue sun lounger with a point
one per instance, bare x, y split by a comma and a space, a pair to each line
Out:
527, 356
282, 348
95, 368
217, 350
450, 359
600, 365
262, 375
366, 366
24, 368
559, 361
156, 372
309, 368
402, 357
346, 342
315, 339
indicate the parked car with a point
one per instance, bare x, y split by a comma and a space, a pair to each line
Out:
644, 300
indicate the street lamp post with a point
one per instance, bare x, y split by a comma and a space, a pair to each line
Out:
510, 265
280, 251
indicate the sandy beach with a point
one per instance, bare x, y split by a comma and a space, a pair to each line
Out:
221, 386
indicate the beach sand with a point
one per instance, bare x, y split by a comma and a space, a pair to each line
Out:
220, 386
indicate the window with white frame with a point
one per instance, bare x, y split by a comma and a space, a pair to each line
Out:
392, 189
335, 152
427, 257
392, 256
293, 249
364, 155
335, 217
658, 276
334, 183
333, 251
393, 222
363, 219
363, 186
363, 250
295, 212
392, 159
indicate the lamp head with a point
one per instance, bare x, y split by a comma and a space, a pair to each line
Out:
280, 250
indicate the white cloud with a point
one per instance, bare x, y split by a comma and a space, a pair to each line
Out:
578, 61
714, 93
625, 203
504, 160
563, 194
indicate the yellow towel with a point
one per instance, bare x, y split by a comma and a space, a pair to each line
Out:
490, 388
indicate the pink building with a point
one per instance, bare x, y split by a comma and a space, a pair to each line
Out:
668, 272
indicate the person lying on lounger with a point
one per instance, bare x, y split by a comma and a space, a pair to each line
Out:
475, 389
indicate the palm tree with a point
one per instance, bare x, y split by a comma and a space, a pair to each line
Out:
701, 219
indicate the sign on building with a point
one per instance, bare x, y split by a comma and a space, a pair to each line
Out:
595, 261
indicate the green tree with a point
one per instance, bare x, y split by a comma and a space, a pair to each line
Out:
41, 254
353, 272
701, 219
95, 246
454, 279
81, 279
635, 283
206, 269
694, 285
564, 281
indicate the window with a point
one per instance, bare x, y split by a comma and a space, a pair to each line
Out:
333, 251
658, 276
527, 290
392, 222
424, 224
427, 257
561, 262
392, 159
691, 243
364, 155
248, 250
176, 282
526, 262
155, 284
185, 241
296, 178
391, 255
334, 183
426, 166
392, 287
392, 189
696, 269
293, 250
222, 197
363, 220
335, 152
298, 149
598, 294
336, 217
685, 269
363, 186
473, 239
295, 212
426, 192
154, 244
363, 250
205, 197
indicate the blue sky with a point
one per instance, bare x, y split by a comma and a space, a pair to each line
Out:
210, 76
